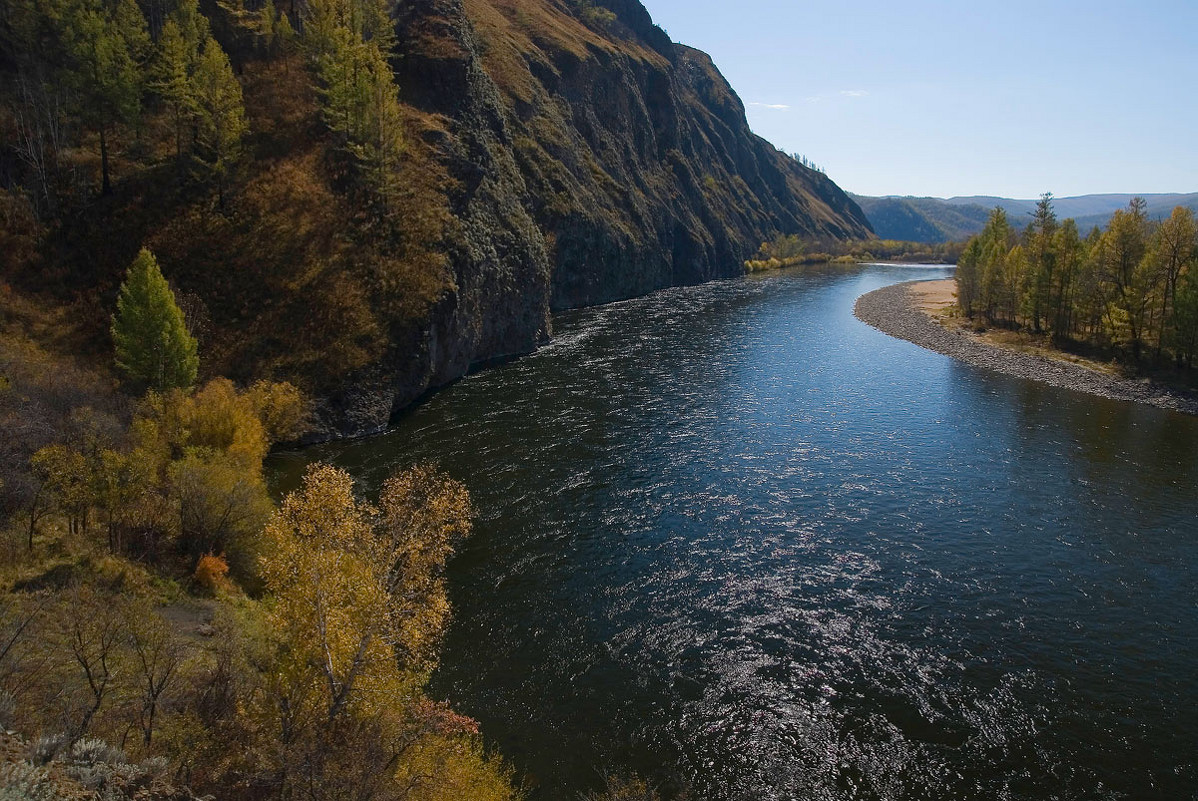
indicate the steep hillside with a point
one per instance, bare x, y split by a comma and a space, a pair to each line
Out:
922, 219
638, 165
557, 154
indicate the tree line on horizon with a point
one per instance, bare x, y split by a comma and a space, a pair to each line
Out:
1131, 288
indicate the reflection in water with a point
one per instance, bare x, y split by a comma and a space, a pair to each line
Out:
732, 538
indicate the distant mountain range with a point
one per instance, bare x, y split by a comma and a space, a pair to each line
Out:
933, 219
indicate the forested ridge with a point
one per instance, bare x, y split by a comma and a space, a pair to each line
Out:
366, 199
1130, 290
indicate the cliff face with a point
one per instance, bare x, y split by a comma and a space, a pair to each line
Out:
589, 159
632, 153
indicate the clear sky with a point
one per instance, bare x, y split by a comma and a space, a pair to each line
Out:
1013, 99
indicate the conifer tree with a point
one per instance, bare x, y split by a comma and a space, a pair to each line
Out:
103, 68
267, 25
148, 329
349, 41
219, 113
381, 139
195, 30
1126, 269
1175, 244
172, 80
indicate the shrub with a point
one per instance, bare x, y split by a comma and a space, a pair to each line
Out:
92, 751
46, 747
21, 781
211, 573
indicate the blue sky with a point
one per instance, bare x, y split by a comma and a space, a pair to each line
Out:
964, 98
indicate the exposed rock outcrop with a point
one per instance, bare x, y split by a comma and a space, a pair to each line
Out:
591, 160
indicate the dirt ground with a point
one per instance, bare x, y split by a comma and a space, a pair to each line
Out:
935, 297
938, 299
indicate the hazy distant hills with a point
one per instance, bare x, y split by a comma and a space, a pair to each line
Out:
933, 219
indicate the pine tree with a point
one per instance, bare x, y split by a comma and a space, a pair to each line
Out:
172, 80
195, 30
267, 24
349, 43
380, 140
1127, 270
968, 276
131, 26
1175, 244
1070, 253
1041, 260
219, 113
148, 329
103, 69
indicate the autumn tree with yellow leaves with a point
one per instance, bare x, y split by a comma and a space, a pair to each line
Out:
359, 608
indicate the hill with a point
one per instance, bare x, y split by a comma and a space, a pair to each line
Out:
929, 219
555, 154
922, 219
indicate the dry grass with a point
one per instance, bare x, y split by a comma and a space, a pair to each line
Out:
518, 33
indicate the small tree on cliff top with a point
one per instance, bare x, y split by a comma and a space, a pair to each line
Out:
152, 343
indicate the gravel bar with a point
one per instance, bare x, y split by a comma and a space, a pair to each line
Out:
893, 311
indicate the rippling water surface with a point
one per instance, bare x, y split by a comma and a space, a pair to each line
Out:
738, 541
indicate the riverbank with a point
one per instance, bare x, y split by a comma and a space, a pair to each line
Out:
765, 265
911, 311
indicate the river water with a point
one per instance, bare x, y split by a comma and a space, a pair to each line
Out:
733, 539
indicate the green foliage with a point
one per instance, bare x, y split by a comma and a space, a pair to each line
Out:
273, 28
349, 42
594, 16
191, 73
219, 113
150, 334
172, 77
790, 250
104, 46
1121, 288
922, 219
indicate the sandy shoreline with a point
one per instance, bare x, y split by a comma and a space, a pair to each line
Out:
904, 311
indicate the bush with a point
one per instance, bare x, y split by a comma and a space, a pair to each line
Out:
23, 782
211, 573
46, 747
92, 750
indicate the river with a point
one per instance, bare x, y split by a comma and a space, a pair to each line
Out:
733, 539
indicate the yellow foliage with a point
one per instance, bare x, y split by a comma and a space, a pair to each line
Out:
425, 514
331, 605
359, 606
211, 572
282, 408
452, 768
220, 419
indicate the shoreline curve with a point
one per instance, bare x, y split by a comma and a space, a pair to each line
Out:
892, 311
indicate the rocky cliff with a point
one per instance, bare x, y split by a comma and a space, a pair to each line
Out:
591, 160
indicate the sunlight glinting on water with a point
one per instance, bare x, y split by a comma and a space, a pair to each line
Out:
734, 539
